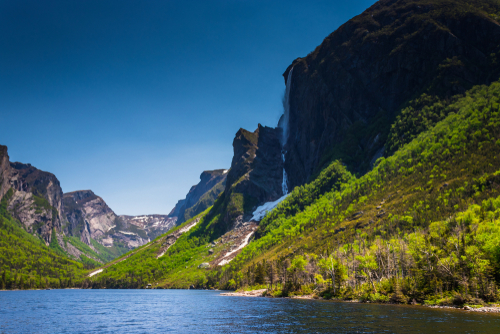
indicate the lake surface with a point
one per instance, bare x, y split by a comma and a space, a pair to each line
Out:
194, 311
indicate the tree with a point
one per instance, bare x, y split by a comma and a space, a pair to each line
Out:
367, 265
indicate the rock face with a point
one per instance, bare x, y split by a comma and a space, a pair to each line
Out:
89, 216
36, 199
256, 169
342, 98
4, 171
200, 196
255, 176
346, 93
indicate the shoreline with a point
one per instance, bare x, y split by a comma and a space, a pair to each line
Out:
260, 293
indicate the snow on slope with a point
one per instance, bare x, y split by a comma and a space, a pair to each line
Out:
261, 211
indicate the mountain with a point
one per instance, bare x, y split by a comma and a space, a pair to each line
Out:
390, 146
90, 217
152, 225
346, 94
78, 224
200, 196
37, 197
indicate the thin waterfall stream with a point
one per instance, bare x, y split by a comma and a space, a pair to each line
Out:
284, 125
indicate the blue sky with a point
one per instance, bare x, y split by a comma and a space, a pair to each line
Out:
134, 99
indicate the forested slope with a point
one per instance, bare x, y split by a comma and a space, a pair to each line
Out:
422, 225
27, 263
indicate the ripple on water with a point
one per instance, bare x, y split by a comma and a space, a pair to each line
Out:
191, 311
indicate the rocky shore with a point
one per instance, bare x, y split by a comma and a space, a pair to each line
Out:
253, 293
263, 293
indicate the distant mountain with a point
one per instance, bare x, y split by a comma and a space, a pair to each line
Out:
80, 224
90, 217
152, 225
200, 196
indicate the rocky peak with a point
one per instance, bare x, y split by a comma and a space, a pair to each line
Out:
89, 216
81, 195
255, 176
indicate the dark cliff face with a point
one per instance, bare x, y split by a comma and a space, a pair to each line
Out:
4, 171
195, 202
345, 94
255, 176
257, 169
25, 177
208, 179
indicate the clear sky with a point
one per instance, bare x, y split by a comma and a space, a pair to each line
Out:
134, 99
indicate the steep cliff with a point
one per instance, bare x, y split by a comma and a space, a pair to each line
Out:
345, 94
89, 217
255, 177
4, 171
200, 196
36, 200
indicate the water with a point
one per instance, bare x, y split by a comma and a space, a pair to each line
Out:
284, 183
286, 108
191, 311
284, 125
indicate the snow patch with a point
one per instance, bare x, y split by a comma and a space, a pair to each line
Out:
225, 171
261, 211
129, 233
181, 231
225, 260
140, 218
187, 228
96, 272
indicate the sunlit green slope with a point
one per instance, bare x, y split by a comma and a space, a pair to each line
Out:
423, 225
25, 261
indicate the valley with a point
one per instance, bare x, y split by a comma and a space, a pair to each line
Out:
379, 183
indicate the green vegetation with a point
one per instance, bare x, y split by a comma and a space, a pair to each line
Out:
141, 266
205, 201
27, 263
422, 226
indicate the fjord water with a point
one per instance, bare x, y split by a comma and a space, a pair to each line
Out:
192, 311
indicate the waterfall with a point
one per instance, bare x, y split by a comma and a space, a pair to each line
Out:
284, 184
283, 123
286, 109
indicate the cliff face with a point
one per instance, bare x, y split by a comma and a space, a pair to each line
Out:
200, 196
89, 217
37, 196
345, 95
257, 168
37, 201
4, 171
255, 176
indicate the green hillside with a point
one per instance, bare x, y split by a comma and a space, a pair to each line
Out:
421, 226
27, 263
